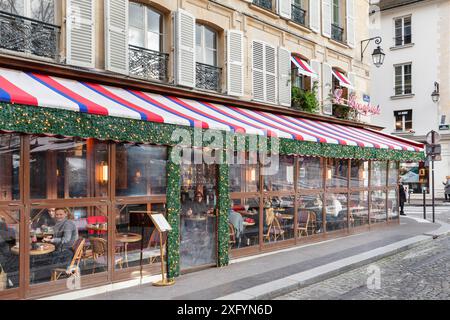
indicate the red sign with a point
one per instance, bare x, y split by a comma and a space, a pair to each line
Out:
364, 109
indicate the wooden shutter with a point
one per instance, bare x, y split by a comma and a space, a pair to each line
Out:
284, 77
326, 18
314, 15
258, 71
350, 7
271, 73
185, 49
284, 8
116, 36
80, 33
235, 63
316, 66
327, 89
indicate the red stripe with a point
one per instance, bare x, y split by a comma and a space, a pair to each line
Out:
16, 94
341, 77
150, 115
92, 107
274, 118
302, 64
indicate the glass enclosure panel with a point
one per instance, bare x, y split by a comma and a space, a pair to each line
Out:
198, 219
378, 174
244, 177
282, 178
10, 167
67, 168
310, 215
62, 238
336, 211
135, 230
337, 173
278, 218
359, 208
243, 223
393, 205
310, 174
393, 173
359, 174
9, 249
141, 170
378, 206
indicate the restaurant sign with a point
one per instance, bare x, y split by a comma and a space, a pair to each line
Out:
364, 109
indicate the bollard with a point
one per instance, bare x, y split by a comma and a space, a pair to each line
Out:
424, 204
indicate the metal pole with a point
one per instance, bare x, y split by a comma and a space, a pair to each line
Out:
432, 178
424, 191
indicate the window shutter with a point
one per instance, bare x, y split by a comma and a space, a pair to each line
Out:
235, 63
80, 33
284, 77
271, 73
326, 18
326, 91
351, 23
185, 49
284, 8
314, 15
351, 78
258, 71
315, 65
116, 36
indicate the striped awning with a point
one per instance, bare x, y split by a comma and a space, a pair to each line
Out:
52, 92
303, 67
343, 80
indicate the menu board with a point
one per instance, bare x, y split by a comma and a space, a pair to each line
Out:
160, 222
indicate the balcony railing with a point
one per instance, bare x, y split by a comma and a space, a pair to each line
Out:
337, 33
207, 77
21, 34
266, 4
298, 15
148, 64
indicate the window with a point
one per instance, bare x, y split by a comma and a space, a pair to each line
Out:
206, 45
403, 79
42, 10
402, 31
337, 31
336, 12
300, 80
298, 11
403, 120
145, 30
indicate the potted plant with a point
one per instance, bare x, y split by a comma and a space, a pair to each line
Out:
304, 100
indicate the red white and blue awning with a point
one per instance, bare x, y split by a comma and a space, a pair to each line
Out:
52, 92
343, 80
303, 67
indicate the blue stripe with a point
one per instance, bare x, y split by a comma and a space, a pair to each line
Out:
4, 96
143, 115
82, 107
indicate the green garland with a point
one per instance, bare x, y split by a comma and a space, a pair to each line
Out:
224, 207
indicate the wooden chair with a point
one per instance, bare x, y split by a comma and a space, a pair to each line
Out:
232, 240
306, 222
100, 252
274, 230
73, 268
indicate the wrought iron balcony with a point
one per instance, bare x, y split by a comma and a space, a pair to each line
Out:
337, 33
21, 34
266, 4
207, 77
148, 64
298, 15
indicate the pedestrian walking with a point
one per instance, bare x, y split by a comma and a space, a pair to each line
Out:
447, 189
402, 198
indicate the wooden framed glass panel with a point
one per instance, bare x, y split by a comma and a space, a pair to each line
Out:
310, 175
359, 208
10, 167
336, 211
9, 253
244, 177
337, 173
281, 177
378, 206
309, 215
359, 174
392, 204
393, 173
378, 174
243, 223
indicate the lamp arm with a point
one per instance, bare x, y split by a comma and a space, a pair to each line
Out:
377, 40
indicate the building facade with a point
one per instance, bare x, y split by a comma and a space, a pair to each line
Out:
416, 33
106, 106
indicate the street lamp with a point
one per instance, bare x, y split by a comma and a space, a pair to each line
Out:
435, 95
378, 55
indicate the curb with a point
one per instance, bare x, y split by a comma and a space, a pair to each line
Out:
285, 285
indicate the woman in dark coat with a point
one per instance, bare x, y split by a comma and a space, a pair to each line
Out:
402, 198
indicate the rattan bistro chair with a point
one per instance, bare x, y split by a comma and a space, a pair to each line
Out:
306, 222
232, 240
73, 268
274, 229
100, 251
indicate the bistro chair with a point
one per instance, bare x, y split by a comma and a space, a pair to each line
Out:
306, 222
152, 252
100, 252
73, 267
274, 230
232, 240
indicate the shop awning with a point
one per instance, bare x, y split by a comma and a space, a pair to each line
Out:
303, 67
45, 91
343, 80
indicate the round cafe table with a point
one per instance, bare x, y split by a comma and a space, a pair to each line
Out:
127, 238
46, 249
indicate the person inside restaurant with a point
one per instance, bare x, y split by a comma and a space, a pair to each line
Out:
46, 218
9, 262
197, 207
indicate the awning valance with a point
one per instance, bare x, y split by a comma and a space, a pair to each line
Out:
303, 67
343, 80
45, 91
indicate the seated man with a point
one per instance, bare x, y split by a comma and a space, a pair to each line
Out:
9, 263
238, 223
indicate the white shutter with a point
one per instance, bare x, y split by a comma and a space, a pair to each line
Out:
271, 73
116, 36
326, 18
315, 65
284, 8
284, 77
351, 23
235, 63
314, 15
351, 78
80, 33
327, 86
258, 71
185, 49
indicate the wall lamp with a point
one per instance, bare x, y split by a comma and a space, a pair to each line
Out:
378, 55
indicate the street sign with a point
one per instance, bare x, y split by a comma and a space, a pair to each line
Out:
433, 149
433, 137
444, 127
